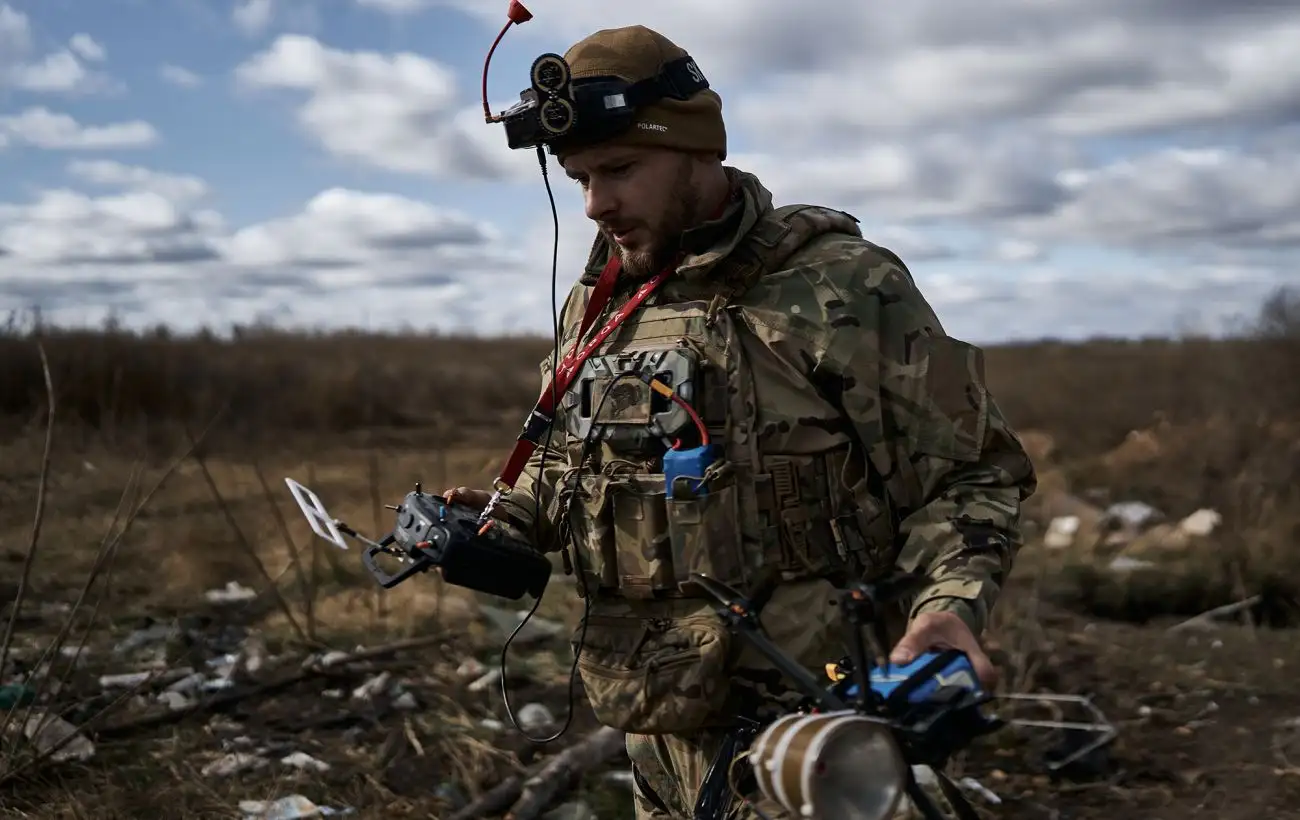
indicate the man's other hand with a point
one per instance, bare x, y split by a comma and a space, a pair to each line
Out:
936, 631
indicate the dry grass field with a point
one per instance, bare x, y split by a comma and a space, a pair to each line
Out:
160, 481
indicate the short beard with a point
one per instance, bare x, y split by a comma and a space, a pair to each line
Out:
665, 242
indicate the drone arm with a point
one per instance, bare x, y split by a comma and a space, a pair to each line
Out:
742, 617
812, 686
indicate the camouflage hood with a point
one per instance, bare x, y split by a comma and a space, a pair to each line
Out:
707, 243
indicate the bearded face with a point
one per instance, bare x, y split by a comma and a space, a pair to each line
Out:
642, 200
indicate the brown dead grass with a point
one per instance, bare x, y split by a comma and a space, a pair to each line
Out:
1180, 424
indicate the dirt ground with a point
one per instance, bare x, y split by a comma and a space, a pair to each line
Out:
1208, 719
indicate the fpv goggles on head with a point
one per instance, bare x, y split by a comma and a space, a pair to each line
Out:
592, 108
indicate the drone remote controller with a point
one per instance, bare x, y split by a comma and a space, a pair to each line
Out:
431, 532
434, 532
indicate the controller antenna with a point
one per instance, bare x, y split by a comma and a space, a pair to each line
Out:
518, 15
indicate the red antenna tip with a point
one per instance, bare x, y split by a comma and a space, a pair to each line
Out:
517, 13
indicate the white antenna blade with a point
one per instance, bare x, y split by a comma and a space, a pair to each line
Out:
322, 523
1102, 730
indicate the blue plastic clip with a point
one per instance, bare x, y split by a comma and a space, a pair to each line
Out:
691, 463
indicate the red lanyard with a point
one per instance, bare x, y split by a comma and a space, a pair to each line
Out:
544, 411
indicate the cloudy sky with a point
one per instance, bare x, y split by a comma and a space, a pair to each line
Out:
1046, 167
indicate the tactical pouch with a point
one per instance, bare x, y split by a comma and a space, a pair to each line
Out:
796, 508
581, 504
619, 526
863, 520
865, 535
640, 520
655, 675
704, 529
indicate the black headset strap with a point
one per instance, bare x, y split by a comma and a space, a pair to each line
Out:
679, 79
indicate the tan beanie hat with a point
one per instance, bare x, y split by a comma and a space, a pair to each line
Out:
636, 53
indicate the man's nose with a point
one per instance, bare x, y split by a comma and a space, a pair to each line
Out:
599, 201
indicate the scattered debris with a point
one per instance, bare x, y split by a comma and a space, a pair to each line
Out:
233, 592
126, 680
14, 695
1123, 563
294, 807
1132, 530
1061, 531
973, 785
1132, 515
527, 797
304, 761
373, 686
232, 764
147, 636
534, 717
1206, 619
1201, 523
575, 810
490, 678
53, 736
536, 629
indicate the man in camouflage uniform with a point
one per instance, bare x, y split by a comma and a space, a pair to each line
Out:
855, 437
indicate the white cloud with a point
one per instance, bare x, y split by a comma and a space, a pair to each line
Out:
909, 243
397, 6
368, 236
255, 18
86, 47
1016, 251
1074, 66
1100, 76
398, 112
42, 128
252, 17
1128, 299
179, 188
15, 31
180, 76
1055, 168
151, 251
340, 228
61, 71
929, 176
65, 227
1176, 197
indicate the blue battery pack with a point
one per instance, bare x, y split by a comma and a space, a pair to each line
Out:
690, 463
956, 672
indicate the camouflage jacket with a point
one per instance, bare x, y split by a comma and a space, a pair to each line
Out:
843, 320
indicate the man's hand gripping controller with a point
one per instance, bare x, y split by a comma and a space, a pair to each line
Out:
430, 532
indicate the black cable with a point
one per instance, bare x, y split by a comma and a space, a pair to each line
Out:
583, 455
537, 499
541, 469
